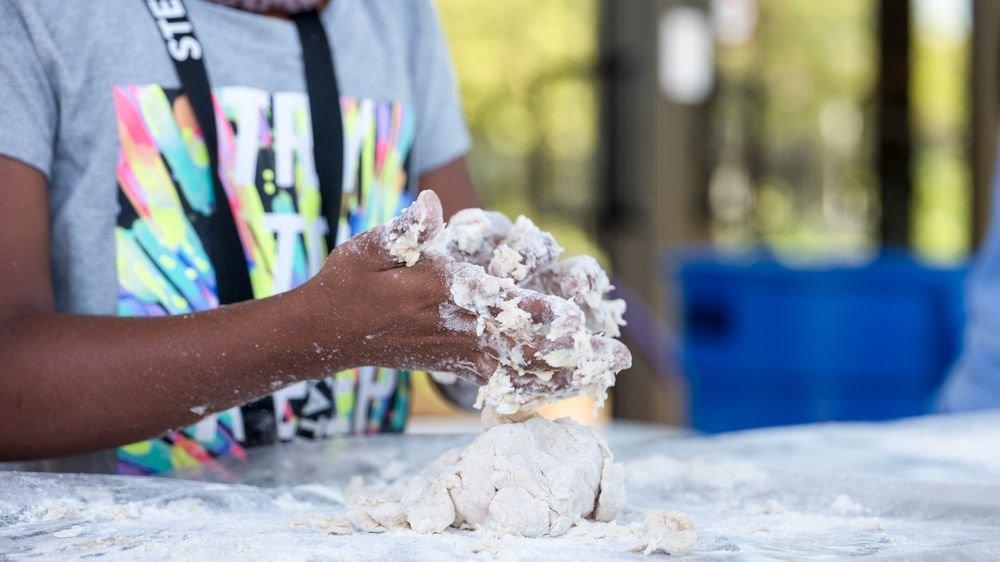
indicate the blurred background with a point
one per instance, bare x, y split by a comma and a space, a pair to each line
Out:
787, 192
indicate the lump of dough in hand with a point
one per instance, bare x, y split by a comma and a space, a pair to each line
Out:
472, 235
533, 478
525, 249
584, 282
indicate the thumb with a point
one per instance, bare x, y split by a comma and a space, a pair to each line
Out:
401, 240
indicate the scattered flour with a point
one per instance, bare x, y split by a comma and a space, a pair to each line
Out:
669, 532
780, 501
666, 473
769, 506
844, 505
333, 525
74, 531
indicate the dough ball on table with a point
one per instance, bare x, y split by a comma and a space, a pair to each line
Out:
532, 478
536, 478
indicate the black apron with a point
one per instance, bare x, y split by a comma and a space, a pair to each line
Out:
222, 241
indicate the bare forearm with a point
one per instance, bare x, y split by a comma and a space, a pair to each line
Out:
70, 384
453, 184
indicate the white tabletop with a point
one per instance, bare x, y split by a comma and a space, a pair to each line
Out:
926, 488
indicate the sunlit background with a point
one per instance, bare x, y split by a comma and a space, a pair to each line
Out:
799, 134
529, 83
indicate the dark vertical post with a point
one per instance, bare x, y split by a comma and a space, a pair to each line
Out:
628, 210
652, 195
609, 71
985, 92
894, 151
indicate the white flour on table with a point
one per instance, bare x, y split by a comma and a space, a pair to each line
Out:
829, 491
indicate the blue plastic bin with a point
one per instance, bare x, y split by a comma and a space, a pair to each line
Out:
766, 344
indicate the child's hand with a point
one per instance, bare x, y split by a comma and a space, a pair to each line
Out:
544, 322
386, 300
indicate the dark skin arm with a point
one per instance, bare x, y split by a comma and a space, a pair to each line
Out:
71, 383
453, 184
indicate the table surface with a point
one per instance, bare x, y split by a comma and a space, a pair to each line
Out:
926, 488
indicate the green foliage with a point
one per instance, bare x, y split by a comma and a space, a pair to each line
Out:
526, 74
793, 116
942, 183
792, 132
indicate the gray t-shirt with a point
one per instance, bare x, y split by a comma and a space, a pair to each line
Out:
89, 96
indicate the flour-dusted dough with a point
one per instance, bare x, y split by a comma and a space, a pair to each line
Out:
546, 347
532, 478
515, 388
525, 249
669, 532
583, 281
472, 235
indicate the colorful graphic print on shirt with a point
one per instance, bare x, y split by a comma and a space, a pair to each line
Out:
267, 170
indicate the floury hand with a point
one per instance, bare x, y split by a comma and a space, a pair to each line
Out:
427, 311
543, 346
